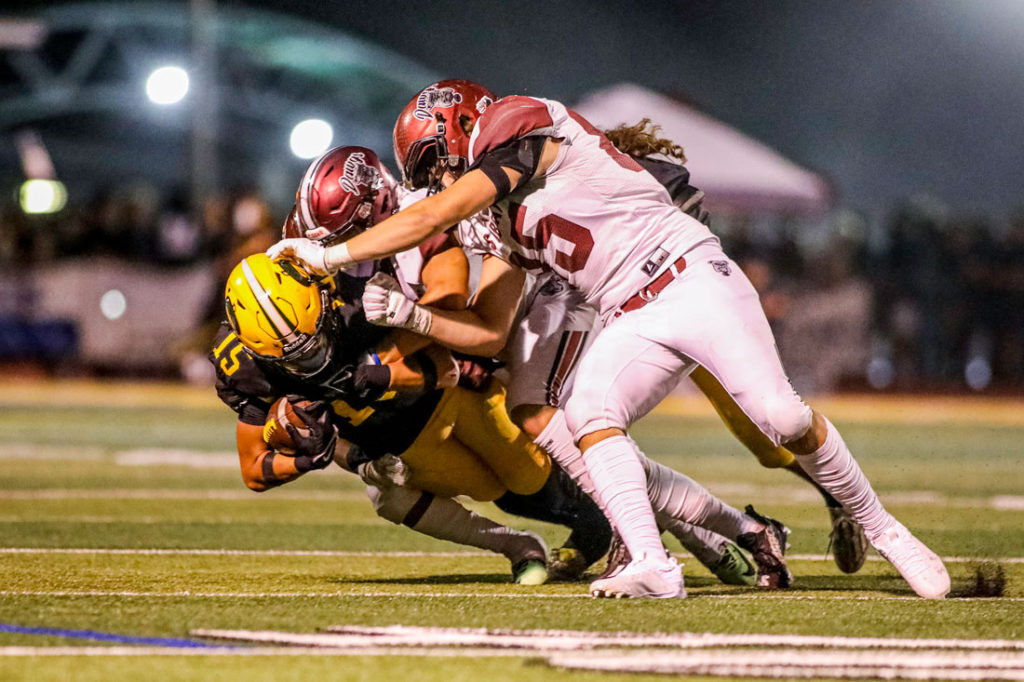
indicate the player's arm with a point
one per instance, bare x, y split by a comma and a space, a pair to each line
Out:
481, 330
445, 277
497, 174
262, 468
413, 362
469, 195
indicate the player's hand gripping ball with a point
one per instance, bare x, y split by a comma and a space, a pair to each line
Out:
302, 429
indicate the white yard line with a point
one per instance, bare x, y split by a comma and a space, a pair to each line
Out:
693, 653
190, 494
526, 594
286, 595
238, 552
340, 553
787, 663
93, 651
397, 635
800, 664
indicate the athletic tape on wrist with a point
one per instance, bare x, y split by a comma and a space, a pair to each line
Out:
336, 257
420, 320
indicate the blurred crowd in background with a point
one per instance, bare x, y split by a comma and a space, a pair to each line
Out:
928, 301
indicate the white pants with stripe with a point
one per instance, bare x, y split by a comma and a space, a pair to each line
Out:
547, 340
710, 315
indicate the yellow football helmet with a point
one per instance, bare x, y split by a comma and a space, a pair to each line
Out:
278, 313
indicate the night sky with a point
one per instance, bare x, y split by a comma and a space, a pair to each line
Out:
886, 99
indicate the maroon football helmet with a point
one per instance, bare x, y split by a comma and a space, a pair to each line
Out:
345, 191
432, 132
291, 227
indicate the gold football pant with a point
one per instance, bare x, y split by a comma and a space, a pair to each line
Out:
770, 455
471, 447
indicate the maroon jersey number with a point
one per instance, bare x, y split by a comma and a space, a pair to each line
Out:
572, 248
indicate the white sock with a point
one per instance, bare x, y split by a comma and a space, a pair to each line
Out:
835, 470
619, 479
556, 440
446, 519
676, 496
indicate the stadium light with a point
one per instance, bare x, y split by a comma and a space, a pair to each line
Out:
113, 304
167, 85
311, 138
42, 196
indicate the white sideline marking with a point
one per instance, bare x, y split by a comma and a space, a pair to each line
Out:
800, 664
440, 652
194, 459
722, 655
240, 552
582, 594
287, 595
151, 520
341, 553
1008, 502
191, 494
50, 452
775, 655
397, 635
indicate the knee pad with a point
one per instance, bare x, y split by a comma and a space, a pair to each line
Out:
392, 504
789, 417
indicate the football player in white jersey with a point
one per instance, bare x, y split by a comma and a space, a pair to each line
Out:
566, 200
551, 329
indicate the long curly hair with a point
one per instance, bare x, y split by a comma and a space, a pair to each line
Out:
641, 140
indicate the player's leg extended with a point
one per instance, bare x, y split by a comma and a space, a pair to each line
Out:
737, 347
446, 519
561, 501
481, 424
542, 357
537, 489
620, 378
847, 537
440, 464
719, 554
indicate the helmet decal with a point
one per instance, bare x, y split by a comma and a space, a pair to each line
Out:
279, 323
356, 172
434, 97
483, 103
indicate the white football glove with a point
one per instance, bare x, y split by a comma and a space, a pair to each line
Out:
308, 253
385, 304
386, 472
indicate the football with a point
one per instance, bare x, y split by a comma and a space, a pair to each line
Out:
274, 432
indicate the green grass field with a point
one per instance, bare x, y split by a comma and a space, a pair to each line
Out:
122, 511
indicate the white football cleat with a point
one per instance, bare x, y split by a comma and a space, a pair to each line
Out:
918, 565
652, 577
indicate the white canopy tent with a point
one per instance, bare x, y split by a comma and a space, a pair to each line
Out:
736, 172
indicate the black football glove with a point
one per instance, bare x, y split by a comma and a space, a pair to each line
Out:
316, 450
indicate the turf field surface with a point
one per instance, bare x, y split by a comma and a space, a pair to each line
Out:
122, 514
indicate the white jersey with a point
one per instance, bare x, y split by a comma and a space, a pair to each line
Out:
596, 218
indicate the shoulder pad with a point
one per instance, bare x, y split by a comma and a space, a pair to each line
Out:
236, 370
506, 120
